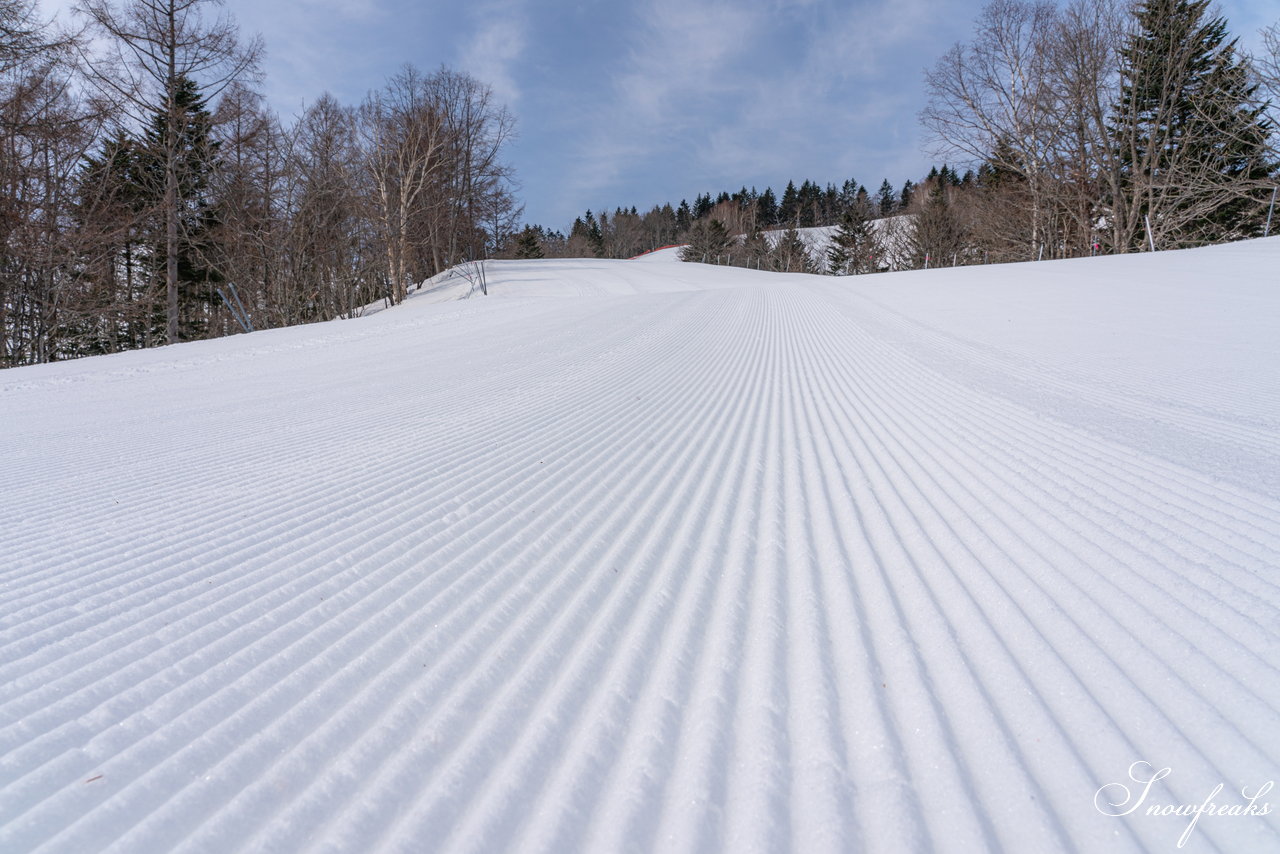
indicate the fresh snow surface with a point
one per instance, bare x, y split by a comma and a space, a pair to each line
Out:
651, 556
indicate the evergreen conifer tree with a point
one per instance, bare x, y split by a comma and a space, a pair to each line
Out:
864, 199
831, 207
754, 250
594, 235
848, 194
789, 207
853, 247
808, 201
1189, 132
684, 217
908, 190
709, 243
886, 198
791, 255
767, 208
527, 244
195, 156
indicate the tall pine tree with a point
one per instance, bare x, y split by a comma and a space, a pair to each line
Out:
791, 254
194, 213
789, 208
853, 246
709, 243
528, 245
886, 198
199, 216
767, 208
1189, 134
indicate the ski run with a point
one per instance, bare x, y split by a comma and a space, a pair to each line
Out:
651, 556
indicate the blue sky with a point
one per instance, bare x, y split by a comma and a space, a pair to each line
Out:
638, 103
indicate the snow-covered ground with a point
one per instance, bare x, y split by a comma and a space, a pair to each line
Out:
661, 557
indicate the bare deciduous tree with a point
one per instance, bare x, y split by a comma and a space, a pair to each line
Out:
1084, 56
479, 129
994, 98
404, 135
327, 237
44, 131
127, 201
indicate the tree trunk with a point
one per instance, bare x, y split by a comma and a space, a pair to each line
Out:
171, 248
171, 184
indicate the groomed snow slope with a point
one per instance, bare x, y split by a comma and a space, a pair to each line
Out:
654, 556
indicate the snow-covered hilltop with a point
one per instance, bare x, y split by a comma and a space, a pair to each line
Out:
657, 556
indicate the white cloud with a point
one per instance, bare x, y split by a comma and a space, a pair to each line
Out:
492, 53
676, 76
848, 85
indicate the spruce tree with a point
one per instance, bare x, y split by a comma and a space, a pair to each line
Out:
831, 207
838, 256
753, 251
853, 247
1189, 133
527, 244
790, 254
709, 243
767, 208
886, 198
195, 155
808, 201
848, 195
908, 191
594, 235
789, 208
863, 198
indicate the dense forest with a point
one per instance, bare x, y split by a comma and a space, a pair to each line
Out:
626, 233
1098, 126
147, 195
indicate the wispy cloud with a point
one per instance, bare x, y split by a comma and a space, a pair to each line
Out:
845, 101
759, 91
495, 49
683, 55
313, 45
681, 66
